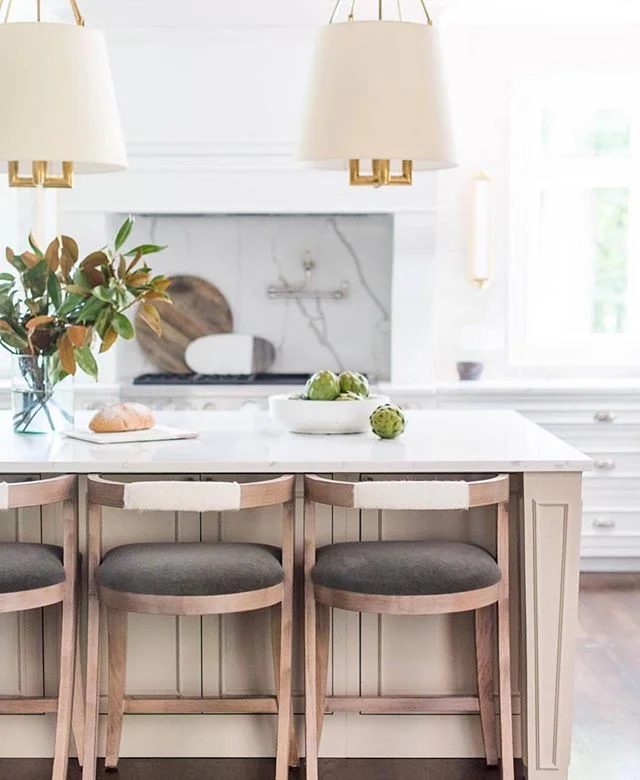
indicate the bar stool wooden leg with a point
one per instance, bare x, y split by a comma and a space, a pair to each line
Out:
310, 646
117, 649
93, 651
284, 743
65, 691
77, 717
485, 634
294, 755
323, 630
504, 649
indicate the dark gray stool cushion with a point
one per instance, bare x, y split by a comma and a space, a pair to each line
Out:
25, 566
190, 569
405, 568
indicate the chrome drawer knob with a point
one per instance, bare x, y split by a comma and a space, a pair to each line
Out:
608, 464
604, 522
604, 417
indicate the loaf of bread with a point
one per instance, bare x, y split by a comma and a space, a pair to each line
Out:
122, 417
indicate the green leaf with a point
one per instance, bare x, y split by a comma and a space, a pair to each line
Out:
35, 279
71, 302
54, 290
89, 312
34, 246
103, 321
7, 277
86, 361
122, 326
104, 293
145, 249
124, 232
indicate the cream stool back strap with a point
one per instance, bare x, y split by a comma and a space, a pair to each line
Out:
408, 494
15, 495
191, 496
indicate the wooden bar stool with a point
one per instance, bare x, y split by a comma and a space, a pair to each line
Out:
39, 575
409, 578
185, 578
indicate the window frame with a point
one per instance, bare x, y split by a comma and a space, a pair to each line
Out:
529, 175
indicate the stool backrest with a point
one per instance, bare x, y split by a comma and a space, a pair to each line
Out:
408, 494
176, 496
41, 492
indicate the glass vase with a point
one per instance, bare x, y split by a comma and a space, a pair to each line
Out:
39, 403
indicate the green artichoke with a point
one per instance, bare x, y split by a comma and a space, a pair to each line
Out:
352, 382
348, 396
388, 421
323, 386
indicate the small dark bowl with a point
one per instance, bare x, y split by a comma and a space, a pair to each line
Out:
469, 371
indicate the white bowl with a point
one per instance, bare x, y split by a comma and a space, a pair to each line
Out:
324, 416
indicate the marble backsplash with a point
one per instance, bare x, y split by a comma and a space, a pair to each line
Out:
243, 255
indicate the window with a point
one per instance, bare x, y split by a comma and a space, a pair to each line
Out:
575, 220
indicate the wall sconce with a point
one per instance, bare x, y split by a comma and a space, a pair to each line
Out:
481, 243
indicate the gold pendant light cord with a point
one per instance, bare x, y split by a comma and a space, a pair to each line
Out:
352, 10
74, 8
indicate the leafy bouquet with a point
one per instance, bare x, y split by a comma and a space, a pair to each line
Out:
55, 308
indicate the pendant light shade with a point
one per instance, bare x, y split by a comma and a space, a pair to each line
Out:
377, 94
58, 104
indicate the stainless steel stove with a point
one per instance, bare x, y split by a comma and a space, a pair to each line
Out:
164, 378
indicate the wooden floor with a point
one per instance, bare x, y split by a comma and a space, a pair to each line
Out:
607, 714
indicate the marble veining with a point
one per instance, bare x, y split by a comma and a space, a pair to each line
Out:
243, 254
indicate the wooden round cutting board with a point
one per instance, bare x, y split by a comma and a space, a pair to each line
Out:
198, 309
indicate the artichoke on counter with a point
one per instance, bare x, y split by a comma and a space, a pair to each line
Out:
388, 421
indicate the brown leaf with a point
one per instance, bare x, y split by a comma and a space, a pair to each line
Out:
77, 335
9, 254
153, 295
122, 267
94, 276
36, 322
149, 314
162, 285
30, 259
137, 279
94, 260
109, 339
68, 253
67, 358
134, 262
52, 255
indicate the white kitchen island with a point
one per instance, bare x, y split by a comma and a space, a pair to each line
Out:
390, 655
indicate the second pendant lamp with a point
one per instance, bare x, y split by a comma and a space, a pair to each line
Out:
377, 102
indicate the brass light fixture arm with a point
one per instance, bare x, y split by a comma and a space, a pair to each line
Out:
73, 3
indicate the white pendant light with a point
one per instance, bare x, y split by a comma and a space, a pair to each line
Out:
60, 114
377, 94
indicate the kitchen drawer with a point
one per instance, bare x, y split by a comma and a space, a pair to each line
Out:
611, 523
606, 464
594, 437
608, 416
611, 492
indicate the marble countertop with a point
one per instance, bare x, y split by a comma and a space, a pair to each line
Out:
249, 442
